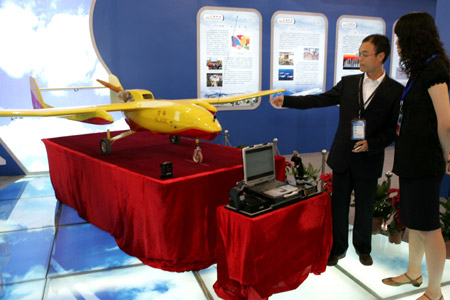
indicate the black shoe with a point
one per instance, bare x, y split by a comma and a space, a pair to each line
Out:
366, 259
333, 259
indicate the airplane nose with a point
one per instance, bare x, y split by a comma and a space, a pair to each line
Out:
210, 127
213, 124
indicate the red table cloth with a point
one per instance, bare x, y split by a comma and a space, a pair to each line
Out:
273, 252
168, 224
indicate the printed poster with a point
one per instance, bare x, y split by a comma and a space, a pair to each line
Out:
396, 70
298, 52
229, 54
350, 31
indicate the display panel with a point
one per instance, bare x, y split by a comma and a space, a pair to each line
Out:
229, 54
258, 163
299, 52
350, 31
395, 69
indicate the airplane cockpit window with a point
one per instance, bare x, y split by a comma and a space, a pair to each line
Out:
125, 96
147, 96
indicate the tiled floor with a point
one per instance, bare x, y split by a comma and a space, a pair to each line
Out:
48, 252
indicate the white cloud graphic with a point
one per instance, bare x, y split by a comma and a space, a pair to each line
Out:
26, 291
137, 283
24, 137
35, 272
39, 183
15, 52
31, 213
55, 48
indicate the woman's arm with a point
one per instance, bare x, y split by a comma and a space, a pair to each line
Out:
440, 97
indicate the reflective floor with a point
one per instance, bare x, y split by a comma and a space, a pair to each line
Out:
48, 252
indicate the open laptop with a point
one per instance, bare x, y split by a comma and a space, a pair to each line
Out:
258, 162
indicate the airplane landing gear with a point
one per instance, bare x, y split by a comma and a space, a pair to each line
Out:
198, 156
105, 146
106, 143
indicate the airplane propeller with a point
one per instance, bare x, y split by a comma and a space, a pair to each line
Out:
123, 95
110, 86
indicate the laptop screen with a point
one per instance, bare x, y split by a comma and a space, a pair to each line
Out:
258, 163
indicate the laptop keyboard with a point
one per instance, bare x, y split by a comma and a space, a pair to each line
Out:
267, 186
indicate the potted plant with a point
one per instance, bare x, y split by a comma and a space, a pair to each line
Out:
445, 224
396, 228
381, 207
311, 173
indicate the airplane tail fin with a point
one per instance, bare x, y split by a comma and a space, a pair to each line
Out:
114, 86
92, 115
36, 97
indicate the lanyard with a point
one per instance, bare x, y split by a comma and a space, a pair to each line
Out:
360, 99
406, 91
409, 86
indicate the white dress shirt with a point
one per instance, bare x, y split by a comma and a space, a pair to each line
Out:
369, 86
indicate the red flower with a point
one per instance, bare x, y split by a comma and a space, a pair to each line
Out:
328, 179
396, 224
395, 200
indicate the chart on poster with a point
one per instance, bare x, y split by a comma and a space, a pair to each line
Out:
350, 31
229, 54
298, 52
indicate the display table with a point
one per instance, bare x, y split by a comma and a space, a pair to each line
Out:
274, 252
168, 224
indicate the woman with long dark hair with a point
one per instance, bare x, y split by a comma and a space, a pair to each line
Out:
422, 147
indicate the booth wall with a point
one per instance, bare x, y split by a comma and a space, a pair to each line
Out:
443, 21
153, 45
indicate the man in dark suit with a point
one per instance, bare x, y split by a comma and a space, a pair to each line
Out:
369, 106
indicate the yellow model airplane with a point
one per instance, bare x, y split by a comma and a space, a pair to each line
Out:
193, 118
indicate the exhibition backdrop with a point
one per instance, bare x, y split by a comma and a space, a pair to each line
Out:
165, 47
154, 45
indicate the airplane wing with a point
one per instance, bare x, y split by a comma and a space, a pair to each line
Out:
95, 114
240, 97
206, 102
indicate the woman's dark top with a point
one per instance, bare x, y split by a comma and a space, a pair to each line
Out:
418, 152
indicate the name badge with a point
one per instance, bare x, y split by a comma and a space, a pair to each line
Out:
399, 123
358, 129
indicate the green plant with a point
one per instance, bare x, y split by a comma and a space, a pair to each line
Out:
290, 169
381, 205
311, 173
445, 219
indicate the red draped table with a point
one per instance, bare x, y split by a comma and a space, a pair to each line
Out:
168, 224
273, 252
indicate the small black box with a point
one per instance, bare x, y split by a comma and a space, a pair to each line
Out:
253, 204
166, 170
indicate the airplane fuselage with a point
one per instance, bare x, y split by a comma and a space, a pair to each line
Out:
176, 118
